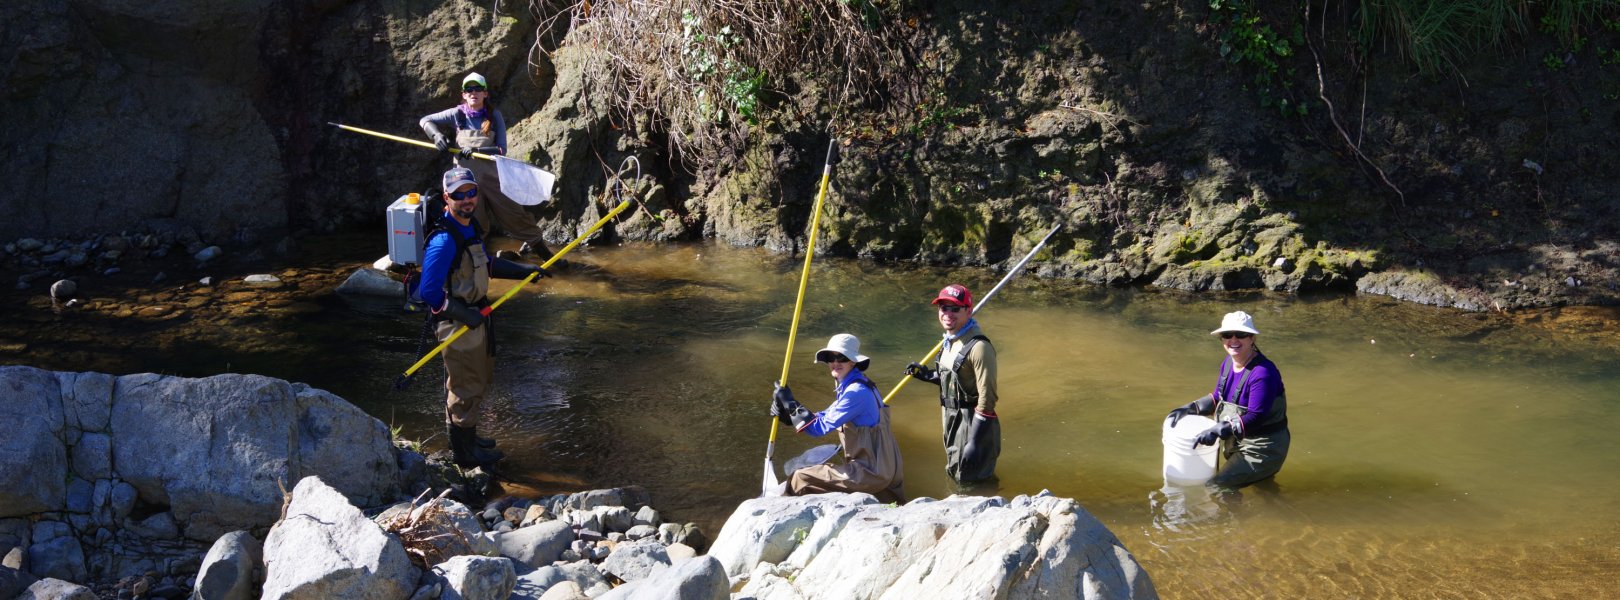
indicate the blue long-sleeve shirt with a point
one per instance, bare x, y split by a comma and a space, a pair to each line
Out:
1258, 392
447, 122
437, 259
856, 402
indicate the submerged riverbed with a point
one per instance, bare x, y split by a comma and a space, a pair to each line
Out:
1436, 453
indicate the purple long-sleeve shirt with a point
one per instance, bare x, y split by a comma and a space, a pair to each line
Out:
1259, 392
857, 403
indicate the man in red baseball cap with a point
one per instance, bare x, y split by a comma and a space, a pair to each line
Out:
966, 376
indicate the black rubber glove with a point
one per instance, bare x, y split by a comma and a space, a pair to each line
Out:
464, 313
789, 411
501, 268
442, 143
924, 373
1200, 406
1220, 431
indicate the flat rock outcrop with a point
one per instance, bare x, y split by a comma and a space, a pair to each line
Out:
851, 546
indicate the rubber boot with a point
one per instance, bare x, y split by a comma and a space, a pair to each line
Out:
465, 450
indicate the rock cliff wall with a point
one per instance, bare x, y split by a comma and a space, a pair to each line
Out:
1121, 121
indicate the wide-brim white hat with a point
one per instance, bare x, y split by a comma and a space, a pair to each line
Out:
847, 345
1236, 321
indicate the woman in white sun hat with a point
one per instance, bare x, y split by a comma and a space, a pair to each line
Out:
871, 455
1249, 405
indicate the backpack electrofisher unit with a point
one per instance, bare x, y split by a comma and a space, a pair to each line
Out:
407, 224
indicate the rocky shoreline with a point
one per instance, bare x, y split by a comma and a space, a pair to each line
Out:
150, 486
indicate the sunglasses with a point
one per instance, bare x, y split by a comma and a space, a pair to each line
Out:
837, 359
950, 308
1226, 335
472, 89
470, 193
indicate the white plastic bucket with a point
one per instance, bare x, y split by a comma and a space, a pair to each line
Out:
1185, 462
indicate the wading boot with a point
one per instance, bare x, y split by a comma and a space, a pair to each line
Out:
465, 450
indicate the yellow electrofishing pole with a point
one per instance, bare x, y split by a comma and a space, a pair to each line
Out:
509, 293
407, 140
770, 482
982, 301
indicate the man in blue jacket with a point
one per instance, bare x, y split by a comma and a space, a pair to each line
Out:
456, 268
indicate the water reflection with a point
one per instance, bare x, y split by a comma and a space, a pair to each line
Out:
1181, 510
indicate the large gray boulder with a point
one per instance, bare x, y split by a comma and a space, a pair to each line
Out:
13, 581
537, 545
963, 546
475, 578
636, 560
56, 589
230, 570
216, 450
33, 453
582, 574
326, 549
702, 578
764, 529
56, 553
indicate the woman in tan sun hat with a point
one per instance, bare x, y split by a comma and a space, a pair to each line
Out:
871, 455
1249, 405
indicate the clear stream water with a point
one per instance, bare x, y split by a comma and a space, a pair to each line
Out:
1436, 454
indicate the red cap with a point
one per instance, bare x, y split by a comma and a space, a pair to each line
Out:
955, 293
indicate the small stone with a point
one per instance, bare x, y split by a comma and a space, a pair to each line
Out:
114, 243
262, 281
680, 552
535, 514
208, 254
64, 289
160, 277
514, 515
29, 244
491, 515
112, 254
154, 311
1280, 263
158, 253
112, 271
208, 281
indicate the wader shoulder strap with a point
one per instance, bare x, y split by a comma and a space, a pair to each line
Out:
961, 355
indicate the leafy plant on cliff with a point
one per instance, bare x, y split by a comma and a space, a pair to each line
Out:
1247, 39
706, 71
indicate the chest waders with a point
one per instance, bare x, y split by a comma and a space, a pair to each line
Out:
1260, 450
871, 462
469, 362
972, 443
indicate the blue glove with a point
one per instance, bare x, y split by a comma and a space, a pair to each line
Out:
1221, 431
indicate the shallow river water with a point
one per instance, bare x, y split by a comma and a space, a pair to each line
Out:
1436, 454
